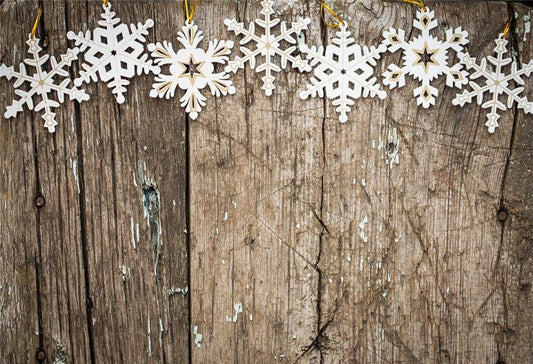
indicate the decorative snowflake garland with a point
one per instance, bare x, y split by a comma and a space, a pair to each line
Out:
344, 72
425, 58
42, 83
496, 84
268, 45
191, 69
114, 53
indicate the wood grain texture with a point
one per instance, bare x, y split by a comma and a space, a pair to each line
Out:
265, 231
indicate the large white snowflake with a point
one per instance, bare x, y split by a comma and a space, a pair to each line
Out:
268, 45
191, 69
425, 58
42, 83
496, 83
344, 72
115, 52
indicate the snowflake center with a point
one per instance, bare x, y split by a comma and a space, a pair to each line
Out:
426, 57
113, 52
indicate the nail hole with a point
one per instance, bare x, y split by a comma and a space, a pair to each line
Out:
502, 215
40, 201
40, 356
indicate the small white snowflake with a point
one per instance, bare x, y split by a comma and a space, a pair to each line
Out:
268, 45
496, 84
42, 83
425, 58
114, 53
345, 72
191, 69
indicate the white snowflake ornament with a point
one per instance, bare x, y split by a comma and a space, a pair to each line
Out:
42, 83
425, 58
496, 83
114, 52
268, 45
345, 71
191, 69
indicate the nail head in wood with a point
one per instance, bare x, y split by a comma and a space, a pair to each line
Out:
502, 215
40, 356
40, 201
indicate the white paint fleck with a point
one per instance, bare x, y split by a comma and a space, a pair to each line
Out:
362, 225
182, 291
393, 148
527, 25
125, 272
361, 262
349, 258
225, 215
294, 336
354, 181
251, 317
174, 202
149, 338
234, 204
133, 242
378, 265
342, 279
447, 289
238, 309
75, 173
145, 148
223, 261
330, 280
297, 225
363, 182
197, 337
134, 179
161, 325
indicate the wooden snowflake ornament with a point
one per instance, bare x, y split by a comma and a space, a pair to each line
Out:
496, 83
114, 52
345, 71
42, 83
425, 58
191, 69
268, 45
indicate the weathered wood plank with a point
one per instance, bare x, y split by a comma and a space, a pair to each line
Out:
134, 193
255, 186
19, 247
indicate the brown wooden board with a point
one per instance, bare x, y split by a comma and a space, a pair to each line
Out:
265, 231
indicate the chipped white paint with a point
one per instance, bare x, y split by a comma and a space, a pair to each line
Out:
134, 179
234, 204
225, 216
238, 309
161, 328
362, 225
527, 25
393, 148
197, 337
361, 262
181, 291
297, 225
349, 258
294, 336
125, 272
149, 351
363, 182
251, 317
75, 173
134, 231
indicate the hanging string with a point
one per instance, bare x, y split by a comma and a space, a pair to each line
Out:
190, 13
416, 2
509, 21
323, 7
39, 13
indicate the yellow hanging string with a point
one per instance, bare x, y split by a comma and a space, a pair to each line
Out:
39, 13
324, 6
416, 2
509, 21
190, 13
105, 3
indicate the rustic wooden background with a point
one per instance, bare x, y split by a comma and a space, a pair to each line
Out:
265, 231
